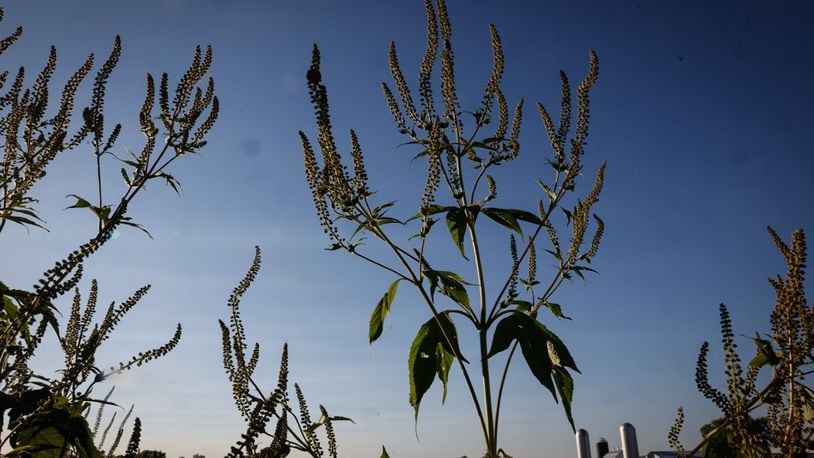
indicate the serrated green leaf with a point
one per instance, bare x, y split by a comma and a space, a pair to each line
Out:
449, 330
380, 312
566, 360
443, 362
452, 286
430, 355
535, 352
421, 363
507, 330
534, 339
503, 218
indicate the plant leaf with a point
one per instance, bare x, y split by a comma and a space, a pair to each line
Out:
443, 361
566, 360
431, 354
456, 222
80, 202
421, 363
565, 386
534, 339
452, 286
509, 218
380, 312
429, 211
765, 354
556, 310
450, 331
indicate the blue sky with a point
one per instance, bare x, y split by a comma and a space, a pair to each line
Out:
702, 111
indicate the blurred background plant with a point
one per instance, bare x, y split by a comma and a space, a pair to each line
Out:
47, 416
259, 408
461, 155
788, 403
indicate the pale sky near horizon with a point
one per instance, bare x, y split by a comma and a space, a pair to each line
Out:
703, 112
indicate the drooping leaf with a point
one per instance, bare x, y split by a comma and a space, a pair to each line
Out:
565, 386
446, 278
556, 310
380, 312
579, 269
450, 332
428, 211
452, 286
421, 363
535, 352
431, 354
80, 202
510, 218
566, 360
443, 362
456, 222
507, 330
522, 306
126, 222
765, 354
103, 212
534, 340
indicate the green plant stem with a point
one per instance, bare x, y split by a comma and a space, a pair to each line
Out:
502, 385
416, 280
300, 445
99, 184
549, 291
553, 203
483, 329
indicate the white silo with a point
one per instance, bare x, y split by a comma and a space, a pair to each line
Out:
583, 444
630, 448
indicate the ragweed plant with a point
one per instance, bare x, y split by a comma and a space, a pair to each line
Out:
461, 149
47, 416
100, 435
257, 407
788, 351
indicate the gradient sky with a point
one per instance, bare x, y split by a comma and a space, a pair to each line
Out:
703, 112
